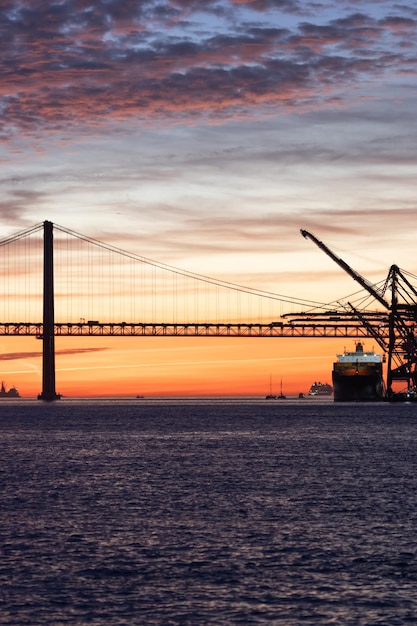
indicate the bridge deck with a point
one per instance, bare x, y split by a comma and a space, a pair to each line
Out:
192, 330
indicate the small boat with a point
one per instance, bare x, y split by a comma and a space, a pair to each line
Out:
270, 395
281, 395
11, 393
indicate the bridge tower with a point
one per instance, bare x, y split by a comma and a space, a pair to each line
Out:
48, 338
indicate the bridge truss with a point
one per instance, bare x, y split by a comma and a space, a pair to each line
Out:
351, 328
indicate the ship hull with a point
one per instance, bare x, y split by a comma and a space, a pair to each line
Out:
357, 384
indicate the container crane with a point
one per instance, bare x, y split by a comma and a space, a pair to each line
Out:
401, 318
359, 279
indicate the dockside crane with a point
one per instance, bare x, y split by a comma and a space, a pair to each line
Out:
401, 318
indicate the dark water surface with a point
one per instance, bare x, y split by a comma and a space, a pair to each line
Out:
121, 513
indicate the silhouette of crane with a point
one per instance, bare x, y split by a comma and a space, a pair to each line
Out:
400, 316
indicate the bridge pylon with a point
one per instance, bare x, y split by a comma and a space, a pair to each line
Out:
48, 336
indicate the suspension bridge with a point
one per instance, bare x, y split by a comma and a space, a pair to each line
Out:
58, 282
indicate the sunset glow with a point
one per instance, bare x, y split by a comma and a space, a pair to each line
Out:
201, 136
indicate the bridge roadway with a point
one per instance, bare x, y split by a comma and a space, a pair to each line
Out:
123, 329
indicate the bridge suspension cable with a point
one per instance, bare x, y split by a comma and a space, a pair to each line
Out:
189, 274
96, 281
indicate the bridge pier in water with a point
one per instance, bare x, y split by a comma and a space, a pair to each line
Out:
48, 336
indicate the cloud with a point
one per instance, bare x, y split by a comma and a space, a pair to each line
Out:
71, 65
15, 356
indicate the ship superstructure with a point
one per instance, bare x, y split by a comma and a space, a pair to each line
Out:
357, 376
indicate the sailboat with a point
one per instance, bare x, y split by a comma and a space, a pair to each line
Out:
281, 395
270, 395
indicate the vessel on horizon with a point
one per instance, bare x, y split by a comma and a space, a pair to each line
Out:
273, 396
270, 395
11, 393
281, 395
320, 389
357, 376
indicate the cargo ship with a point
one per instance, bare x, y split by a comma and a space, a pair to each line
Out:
320, 389
357, 376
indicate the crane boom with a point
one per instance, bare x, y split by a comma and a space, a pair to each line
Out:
359, 279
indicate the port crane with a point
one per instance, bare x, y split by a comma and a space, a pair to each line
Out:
399, 316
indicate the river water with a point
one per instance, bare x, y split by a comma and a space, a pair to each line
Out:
208, 512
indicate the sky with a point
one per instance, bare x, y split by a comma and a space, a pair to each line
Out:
205, 135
